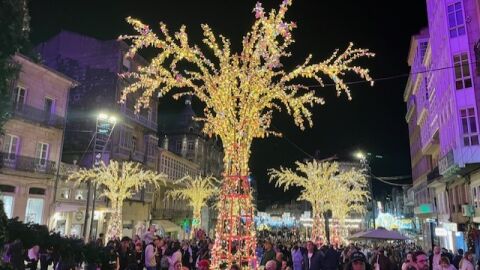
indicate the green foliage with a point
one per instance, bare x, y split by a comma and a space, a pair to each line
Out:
14, 31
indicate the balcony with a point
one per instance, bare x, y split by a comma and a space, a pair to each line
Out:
139, 118
37, 115
27, 164
410, 108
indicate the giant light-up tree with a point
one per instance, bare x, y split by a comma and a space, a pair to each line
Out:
240, 91
196, 191
326, 187
120, 181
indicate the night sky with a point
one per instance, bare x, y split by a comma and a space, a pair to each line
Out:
373, 121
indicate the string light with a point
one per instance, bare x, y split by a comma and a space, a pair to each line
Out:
120, 181
325, 187
240, 92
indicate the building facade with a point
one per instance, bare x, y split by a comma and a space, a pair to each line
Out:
32, 141
442, 97
96, 65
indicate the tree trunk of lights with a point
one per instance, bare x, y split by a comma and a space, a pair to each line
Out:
196, 222
317, 228
115, 226
235, 240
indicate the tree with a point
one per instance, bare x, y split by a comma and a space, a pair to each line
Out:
120, 181
196, 191
15, 28
240, 92
325, 187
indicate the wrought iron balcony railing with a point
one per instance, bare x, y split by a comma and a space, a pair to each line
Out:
34, 114
27, 164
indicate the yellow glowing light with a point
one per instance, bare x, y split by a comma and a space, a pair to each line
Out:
196, 191
240, 91
119, 181
325, 187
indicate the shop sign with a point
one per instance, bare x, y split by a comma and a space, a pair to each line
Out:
450, 226
446, 163
440, 231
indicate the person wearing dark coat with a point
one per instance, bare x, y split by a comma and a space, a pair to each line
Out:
332, 259
456, 260
269, 253
382, 260
313, 258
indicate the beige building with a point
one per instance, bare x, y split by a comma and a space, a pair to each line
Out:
167, 214
32, 141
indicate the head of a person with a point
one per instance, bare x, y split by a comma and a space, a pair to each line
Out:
310, 246
358, 261
437, 250
177, 265
421, 260
460, 252
138, 246
125, 243
444, 262
267, 245
271, 265
203, 265
279, 256
156, 241
284, 264
469, 256
409, 257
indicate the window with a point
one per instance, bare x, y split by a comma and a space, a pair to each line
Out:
7, 204
456, 23
191, 146
10, 146
34, 212
65, 193
469, 127
178, 146
422, 49
463, 78
49, 106
19, 94
126, 137
42, 154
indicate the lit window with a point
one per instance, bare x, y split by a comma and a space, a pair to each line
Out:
456, 23
7, 204
10, 146
463, 77
34, 212
469, 127
42, 154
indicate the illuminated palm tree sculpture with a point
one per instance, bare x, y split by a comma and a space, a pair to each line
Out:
325, 187
239, 91
196, 191
120, 181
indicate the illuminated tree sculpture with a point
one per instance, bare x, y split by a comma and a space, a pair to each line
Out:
325, 187
196, 191
239, 91
120, 181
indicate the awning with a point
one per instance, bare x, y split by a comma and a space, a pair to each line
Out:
166, 225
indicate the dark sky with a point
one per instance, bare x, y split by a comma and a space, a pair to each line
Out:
373, 121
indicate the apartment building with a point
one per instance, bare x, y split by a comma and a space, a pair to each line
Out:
31, 145
442, 96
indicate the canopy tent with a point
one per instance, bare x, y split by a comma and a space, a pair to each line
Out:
379, 234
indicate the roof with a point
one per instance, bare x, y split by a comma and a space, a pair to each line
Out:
20, 57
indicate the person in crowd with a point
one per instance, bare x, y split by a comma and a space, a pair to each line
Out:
268, 254
33, 256
420, 259
111, 257
332, 258
203, 265
177, 265
408, 264
271, 265
139, 255
150, 254
312, 259
380, 261
126, 254
149, 236
187, 258
297, 257
175, 255
467, 262
435, 258
457, 258
445, 264
357, 261
279, 259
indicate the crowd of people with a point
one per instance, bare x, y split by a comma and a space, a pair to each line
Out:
153, 252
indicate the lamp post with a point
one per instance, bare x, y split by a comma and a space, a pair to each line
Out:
364, 161
103, 130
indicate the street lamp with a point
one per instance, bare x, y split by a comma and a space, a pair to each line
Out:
362, 157
103, 130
